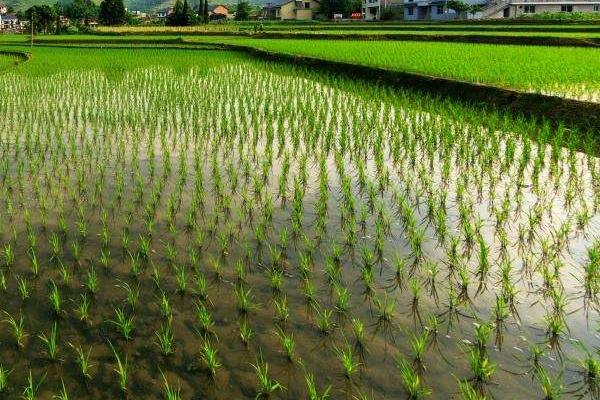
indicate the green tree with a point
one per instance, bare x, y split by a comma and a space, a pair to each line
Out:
175, 18
182, 14
112, 12
243, 11
186, 14
475, 8
459, 6
344, 7
82, 10
201, 11
205, 12
42, 16
59, 10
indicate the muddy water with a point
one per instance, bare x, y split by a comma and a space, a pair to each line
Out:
74, 147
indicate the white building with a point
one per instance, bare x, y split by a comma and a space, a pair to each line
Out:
10, 23
438, 9
374, 9
518, 8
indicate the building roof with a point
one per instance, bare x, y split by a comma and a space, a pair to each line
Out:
10, 17
212, 7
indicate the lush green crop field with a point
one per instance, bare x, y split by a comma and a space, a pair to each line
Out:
570, 72
48, 61
591, 31
434, 31
529, 68
6, 61
200, 224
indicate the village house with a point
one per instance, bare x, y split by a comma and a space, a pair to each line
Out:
218, 11
519, 8
291, 10
3, 9
164, 13
438, 9
373, 10
10, 23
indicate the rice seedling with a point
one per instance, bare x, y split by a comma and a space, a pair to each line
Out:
481, 366
266, 385
246, 332
208, 355
324, 320
411, 382
32, 388
123, 323
385, 307
62, 394
311, 388
551, 386
347, 358
18, 328
170, 392
51, 342
55, 298
287, 343
418, 345
9, 255
244, 300
205, 320
91, 281
83, 361
4, 374
121, 369
24, 289
468, 392
165, 339
132, 294
83, 309
283, 311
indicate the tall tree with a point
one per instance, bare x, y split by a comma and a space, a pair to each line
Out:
112, 12
330, 7
243, 11
43, 17
182, 15
201, 11
185, 14
59, 10
81, 10
175, 18
205, 12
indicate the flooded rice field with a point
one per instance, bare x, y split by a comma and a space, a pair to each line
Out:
250, 231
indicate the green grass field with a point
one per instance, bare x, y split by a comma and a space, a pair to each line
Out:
571, 72
577, 31
562, 71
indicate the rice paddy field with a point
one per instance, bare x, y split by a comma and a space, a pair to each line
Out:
498, 65
495, 65
530, 31
180, 224
6, 61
